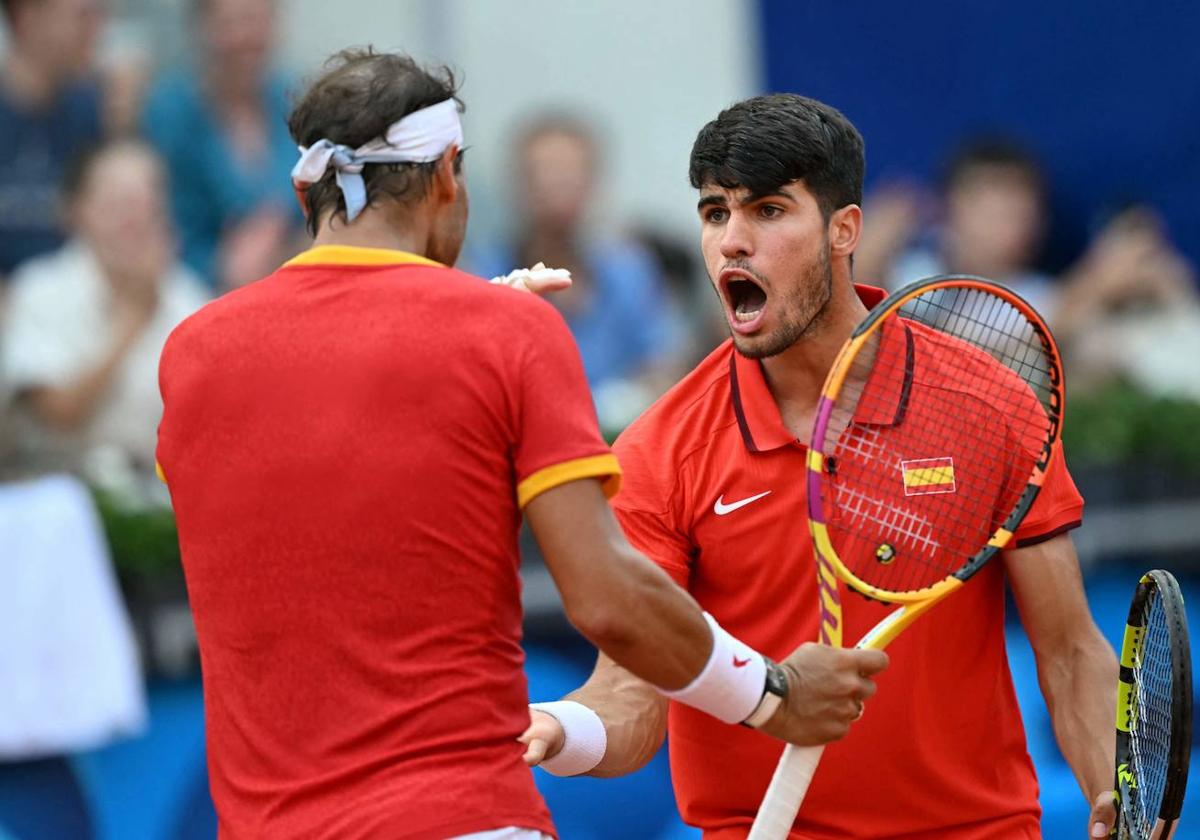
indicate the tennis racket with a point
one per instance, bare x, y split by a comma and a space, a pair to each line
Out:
1154, 712
932, 437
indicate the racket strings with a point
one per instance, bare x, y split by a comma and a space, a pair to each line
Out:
991, 324
955, 394
1151, 718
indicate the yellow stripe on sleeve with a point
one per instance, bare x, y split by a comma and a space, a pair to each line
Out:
158, 471
596, 466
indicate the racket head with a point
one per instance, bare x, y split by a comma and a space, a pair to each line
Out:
931, 440
1154, 710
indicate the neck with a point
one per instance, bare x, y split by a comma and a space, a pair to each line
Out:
26, 80
796, 375
373, 229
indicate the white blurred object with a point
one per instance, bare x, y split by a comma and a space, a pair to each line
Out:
536, 279
68, 660
619, 402
1157, 349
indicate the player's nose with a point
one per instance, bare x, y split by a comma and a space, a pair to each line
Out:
736, 239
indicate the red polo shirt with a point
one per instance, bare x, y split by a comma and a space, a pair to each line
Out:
715, 493
348, 445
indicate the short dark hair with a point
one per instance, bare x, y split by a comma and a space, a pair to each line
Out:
9, 7
79, 168
992, 151
559, 122
763, 143
360, 95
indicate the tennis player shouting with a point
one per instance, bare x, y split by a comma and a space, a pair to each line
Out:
350, 444
714, 493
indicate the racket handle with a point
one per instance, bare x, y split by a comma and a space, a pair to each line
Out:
785, 793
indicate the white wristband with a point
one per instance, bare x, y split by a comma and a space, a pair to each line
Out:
584, 738
732, 684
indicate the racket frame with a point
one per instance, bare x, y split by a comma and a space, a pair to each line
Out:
1163, 585
796, 767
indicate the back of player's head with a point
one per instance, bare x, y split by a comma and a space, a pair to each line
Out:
358, 97
761, 144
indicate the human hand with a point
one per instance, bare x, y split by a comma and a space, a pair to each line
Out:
543, 739
1103, 815
827, 687
254, 247
538, 280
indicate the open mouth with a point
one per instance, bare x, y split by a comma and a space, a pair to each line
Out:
745, 300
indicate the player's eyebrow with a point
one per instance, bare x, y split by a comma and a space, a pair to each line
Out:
718, 200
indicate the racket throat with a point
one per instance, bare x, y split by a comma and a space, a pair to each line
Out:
882, 634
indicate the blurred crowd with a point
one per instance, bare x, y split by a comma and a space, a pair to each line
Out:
130, 195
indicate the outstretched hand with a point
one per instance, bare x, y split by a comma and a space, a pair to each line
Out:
538, 280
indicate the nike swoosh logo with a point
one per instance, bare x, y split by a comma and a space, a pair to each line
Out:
720, 508
740, 663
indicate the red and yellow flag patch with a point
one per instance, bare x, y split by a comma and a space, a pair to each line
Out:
928, 475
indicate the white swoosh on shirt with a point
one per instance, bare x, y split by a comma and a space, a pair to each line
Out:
720, 508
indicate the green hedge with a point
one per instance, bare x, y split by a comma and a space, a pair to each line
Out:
1121, 425
1116, 426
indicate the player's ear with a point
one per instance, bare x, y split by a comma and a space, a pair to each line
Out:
845, 229
445, 184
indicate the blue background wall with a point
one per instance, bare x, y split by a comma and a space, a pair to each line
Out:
1106, 92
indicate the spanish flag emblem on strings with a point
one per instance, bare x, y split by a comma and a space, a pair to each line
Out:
928, 475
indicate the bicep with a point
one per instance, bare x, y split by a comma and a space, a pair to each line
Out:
1048, 587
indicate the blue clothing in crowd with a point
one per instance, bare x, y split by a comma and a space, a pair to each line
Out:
36, 148
212, 189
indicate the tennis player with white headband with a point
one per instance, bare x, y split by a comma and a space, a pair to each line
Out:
350, 444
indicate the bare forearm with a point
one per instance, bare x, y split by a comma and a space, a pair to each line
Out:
624, 604
634, 716
646, 623
1079, 685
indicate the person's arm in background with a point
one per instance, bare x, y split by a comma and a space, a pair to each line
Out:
638, 617
69, 405
1077, 669
895, 214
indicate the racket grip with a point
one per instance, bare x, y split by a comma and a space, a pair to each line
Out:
785, 793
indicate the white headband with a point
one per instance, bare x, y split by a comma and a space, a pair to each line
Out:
420, 137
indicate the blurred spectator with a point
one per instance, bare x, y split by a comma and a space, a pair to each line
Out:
1130, 310
222, 128
689, 290
85, 324
993, 219
49, 113
618, 309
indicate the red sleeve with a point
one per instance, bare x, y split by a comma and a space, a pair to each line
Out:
558, 437
1057, 509
649, 506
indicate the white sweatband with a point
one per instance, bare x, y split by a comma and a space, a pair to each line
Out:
732, 684
420, 137
584, 738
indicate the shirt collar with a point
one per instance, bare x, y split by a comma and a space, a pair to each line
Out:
757, 414
354, 255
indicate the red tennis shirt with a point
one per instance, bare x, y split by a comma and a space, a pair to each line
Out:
348, 444
715, 493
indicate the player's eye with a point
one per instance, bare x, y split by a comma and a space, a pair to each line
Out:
770, 211
716, 215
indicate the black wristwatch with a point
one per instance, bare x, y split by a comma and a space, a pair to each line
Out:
775, 691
